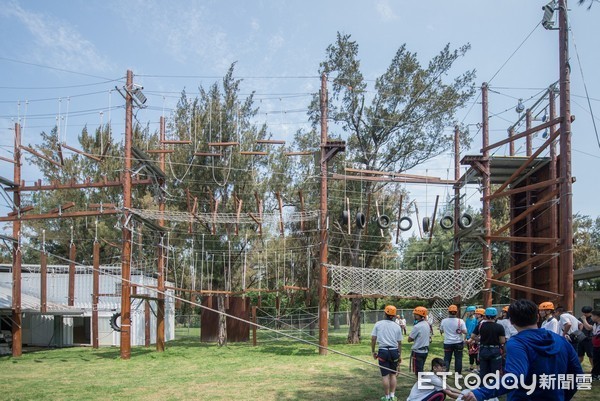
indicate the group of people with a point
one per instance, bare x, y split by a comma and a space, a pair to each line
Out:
513, 343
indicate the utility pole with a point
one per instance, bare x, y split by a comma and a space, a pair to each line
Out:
17, 324
566, 194
126, 246
323, 304
160, 314
456, 250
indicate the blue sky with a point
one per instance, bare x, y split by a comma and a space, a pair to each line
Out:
278, 46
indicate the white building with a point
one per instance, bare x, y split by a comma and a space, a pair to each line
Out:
64, 325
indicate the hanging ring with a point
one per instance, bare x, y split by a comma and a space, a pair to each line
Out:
447, 222
426, 224
383, 221
465, 221
407, 219
344, 217
361, 220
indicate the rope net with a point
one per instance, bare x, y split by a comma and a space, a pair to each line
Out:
224, 218
465, 283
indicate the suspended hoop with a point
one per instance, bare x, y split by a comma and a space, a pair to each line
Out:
403, 219
361, 220
113, 321
344, 217
465, 221
383, 221
426, 224
447, 222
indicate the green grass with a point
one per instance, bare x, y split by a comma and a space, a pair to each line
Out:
188, 369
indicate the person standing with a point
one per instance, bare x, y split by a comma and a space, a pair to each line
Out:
504, 321
470, 320
596, 344
491, 337
568, 324
388, 335
585, 347
549, 322
453, 329
420, 335
531, 353
402, 323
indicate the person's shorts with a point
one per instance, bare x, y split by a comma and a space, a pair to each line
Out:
388, 360
585, 347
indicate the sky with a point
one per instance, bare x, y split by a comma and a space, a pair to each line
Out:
60, 62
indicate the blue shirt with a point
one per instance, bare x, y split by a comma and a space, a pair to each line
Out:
471, 323
536, 352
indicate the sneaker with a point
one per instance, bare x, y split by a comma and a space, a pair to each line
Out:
394, 398
384, 398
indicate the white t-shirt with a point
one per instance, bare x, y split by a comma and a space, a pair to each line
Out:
402, 322
429, 379
421, 334
453, 328
509, 329
388, 333
551, 325
568, 318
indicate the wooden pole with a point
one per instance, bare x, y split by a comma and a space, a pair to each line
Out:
95, 291
72, 255
323, 304
529, 219
486, 182
554, 262
17, 334
160, 308
126, 247
43, 282
254, 319
456, 250
566, 187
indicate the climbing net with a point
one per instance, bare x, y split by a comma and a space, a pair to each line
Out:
464, 283
223, 218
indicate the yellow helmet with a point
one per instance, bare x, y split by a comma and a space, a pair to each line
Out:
453, 308
420, 311
480, 311
390, 310
546, 306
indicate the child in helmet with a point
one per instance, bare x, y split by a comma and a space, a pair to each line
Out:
453, 328
420, 336
388, 335
491, 338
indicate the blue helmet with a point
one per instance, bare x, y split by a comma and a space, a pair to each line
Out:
470, 309
491, 312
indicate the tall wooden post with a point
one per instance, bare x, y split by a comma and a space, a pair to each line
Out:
72, 255
486, 182
95, 291
554, 265
17, 334
456, 250
566, 186
126, 247
323, 304
160, 313
528, 202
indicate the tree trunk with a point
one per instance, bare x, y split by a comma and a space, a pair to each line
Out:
222, 340
354, 329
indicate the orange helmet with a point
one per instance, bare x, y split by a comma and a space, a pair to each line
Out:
546, 306
480, 311
390, 310
453, 308
505, 309
420, 311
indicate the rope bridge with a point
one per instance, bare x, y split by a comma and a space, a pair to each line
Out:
223, 218
465, 283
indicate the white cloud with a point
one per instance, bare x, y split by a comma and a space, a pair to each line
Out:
57, 43
255, 24
385, 11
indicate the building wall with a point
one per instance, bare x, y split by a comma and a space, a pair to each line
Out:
39, 329
586, 298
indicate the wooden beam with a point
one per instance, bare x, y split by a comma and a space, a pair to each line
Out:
41, 156
54, 215
548, 294
405, 180
253, 153
523, 134
21, 211
540, 203
280, 203
270, 142
81, 152
160, 151
391, 174
223, 144
304, 153
531, 187
175, 142
65, 206
528, 262
7, 160
56, 185
208, 154
531, 240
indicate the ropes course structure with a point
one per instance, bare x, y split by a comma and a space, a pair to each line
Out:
223, 218
465, 283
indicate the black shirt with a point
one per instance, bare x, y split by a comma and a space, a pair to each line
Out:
489, 333
588, 333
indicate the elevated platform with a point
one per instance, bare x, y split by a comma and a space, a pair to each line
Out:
501, 168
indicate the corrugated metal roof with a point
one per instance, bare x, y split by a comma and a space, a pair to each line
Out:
502, 167
31, 304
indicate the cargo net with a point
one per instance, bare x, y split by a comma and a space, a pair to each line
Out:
465, 283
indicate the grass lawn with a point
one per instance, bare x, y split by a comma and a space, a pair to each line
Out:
274, 370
